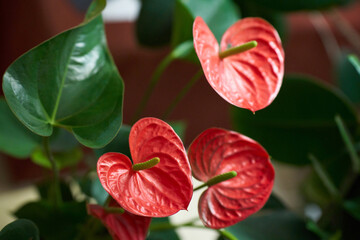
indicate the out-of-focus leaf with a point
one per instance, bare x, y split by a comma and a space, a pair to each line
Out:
21, 229
179, 127
153, 26
55, 223
119, 144
69, 81
65, 150
338, 169
299, 121
352, 206
92, 187
274, 203
286, 5
62, 159
45, 190
164, 234
349, 77
15, 139
272, 225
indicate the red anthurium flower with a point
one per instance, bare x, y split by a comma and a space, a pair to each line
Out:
150, 187
121, 225
219, 152
250, 79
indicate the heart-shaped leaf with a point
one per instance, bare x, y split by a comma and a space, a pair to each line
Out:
249, 79
21, 229
159, 191
69, 81
121, 225
218, 151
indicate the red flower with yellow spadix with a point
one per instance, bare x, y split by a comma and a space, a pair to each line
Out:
238, 173
158, 182
248, 67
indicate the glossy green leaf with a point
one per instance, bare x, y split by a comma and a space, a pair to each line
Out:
286, 5
69, 81
21, 229
15, 139
119, 144
349, 77
352, 206
272, 225
218, 14
55, 223
169, 234
153, 26
300, 121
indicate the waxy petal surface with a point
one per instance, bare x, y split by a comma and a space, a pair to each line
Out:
159, 191
217, 151
250, 79
121, 226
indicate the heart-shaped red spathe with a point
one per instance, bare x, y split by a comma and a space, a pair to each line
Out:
121, 226
159, 191
217, 151
250, 79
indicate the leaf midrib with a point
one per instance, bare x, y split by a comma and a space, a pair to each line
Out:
56, 107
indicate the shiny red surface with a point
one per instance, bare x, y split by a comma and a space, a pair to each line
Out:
159, 191
250, 79
217, 151
121, 226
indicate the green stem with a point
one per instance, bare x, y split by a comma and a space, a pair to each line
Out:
182, 93
153, 82
56, 186
238, 49
227, 234
116, 210
217, 179
348, 143
321, 172
146, 165
108, 200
